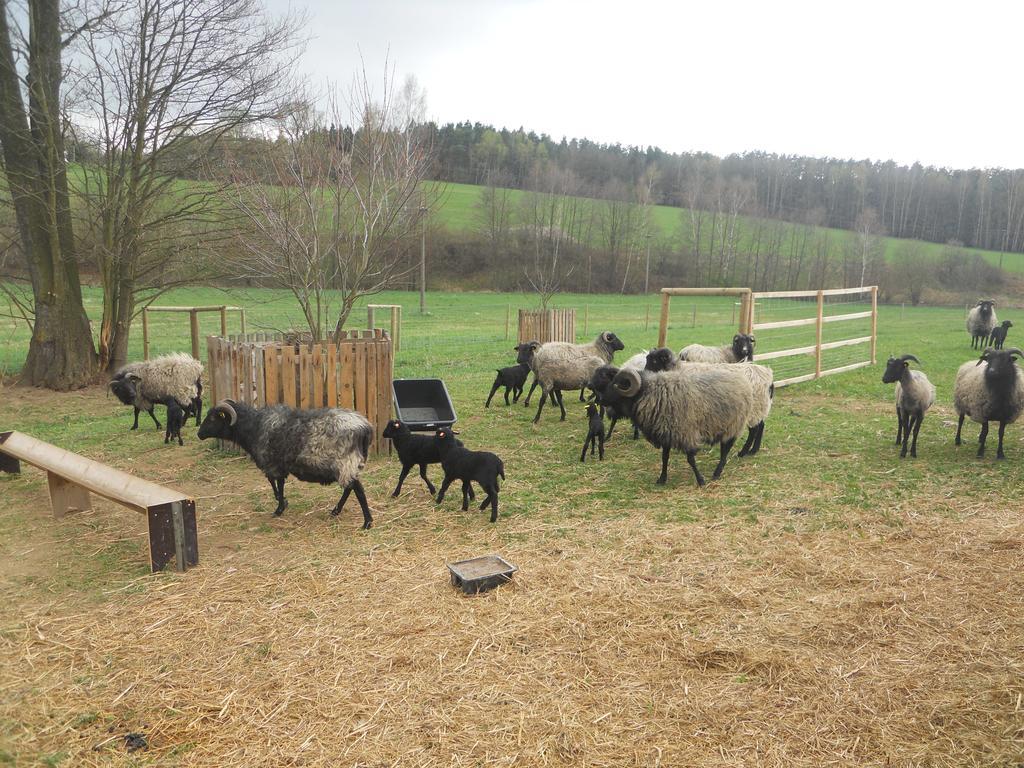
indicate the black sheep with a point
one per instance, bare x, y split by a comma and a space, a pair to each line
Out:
414, 450
460, 463
998, 336
595, 433
323, 445
512, 378
176, 416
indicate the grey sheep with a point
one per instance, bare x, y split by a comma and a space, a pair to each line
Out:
762, 381
685, 409
177, 376
991, 389
741, 350
323, 445
560, 365
915, 394
980, 322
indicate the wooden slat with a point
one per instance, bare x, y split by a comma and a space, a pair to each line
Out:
332, 374
845, 342
383, 393
288, 374
809, 350
261, 377
319, 374
211, 363
271, 369
305, 377
191, 309
845, 368
370, 376
849, 316
785, 323
359, 379
346, 381
795, 380
705, 291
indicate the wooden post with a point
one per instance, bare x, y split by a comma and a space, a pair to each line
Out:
647, 317
369, 317
193, 319
145, 333
396, 331
223, 322
508, 319
817, 335
663, 322
241, 317
874, 322
733, 322
744, 312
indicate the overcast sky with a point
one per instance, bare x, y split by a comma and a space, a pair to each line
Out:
933, 82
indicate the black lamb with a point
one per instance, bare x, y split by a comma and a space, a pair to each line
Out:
595, 433
512, 378
324, 445
460, 463
998, 336
175, 421
414, 450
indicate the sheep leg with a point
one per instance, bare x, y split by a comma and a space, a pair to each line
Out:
197, 406
691, 459
152, 415
999, 452
981, 439
724, 453
540, 407
561, 405
899, 425
665, 451
600, 444
533, 386
401, 479
357, 486
494, 388
341, 502
588, 442
636, 431
757, 440
517, 392
581, 393
465, 498
444, 488
959, 427
282, 503
430, 485
492, 495
506, 395
136, 424
486, 501
908, 420
469, 489
917, 428
611, 426
749, 444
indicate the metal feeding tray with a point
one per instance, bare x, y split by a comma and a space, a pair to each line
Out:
478, 574
423, 404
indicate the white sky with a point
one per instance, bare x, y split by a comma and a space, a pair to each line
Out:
935, 82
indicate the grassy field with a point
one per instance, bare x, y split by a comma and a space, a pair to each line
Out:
459, 212
823, 603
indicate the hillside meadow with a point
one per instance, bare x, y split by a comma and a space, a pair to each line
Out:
823, 603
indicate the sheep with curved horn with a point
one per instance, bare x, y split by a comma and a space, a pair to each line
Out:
991, 389
914, 396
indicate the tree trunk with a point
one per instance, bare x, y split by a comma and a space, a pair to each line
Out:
61, 353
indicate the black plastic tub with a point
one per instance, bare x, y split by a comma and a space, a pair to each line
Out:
479, 574
423, 404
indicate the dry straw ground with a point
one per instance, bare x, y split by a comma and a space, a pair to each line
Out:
628, 638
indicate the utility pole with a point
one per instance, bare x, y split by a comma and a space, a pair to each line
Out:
423, 259
647, 269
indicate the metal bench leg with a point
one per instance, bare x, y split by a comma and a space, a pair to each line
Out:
66, 496
172, 535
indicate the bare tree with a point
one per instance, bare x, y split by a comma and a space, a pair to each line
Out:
61, 354
158, 87
333, 224
551, 220
869, 242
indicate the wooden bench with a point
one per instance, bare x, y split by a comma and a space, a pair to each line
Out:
171, 514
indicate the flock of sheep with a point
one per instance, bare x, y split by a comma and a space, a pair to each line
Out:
704, 396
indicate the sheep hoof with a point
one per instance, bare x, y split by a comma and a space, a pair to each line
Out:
1000, 457
130, 429
280, 509
661, 481
367, 525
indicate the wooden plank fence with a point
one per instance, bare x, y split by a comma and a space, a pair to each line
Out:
262, 369
545, 325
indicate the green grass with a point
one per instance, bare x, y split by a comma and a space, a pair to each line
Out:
460, 213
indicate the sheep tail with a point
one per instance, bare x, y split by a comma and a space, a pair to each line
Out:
501, 469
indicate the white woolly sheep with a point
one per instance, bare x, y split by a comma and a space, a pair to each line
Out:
991, 389
914, 396
980, 322
685, 409
176, 376
560, 365
741, 349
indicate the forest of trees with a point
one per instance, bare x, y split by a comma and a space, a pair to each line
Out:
982, 208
